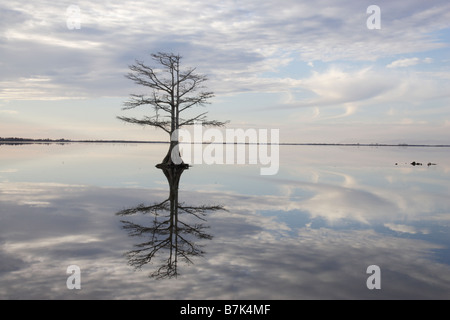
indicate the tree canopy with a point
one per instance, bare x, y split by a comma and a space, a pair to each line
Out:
173, 91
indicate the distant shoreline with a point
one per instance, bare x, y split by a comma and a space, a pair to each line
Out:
63, 141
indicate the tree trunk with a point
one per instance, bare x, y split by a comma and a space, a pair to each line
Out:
173, 157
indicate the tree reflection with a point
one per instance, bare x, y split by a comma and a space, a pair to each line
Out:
173, 232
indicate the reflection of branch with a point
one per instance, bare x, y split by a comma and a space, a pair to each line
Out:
200, 211
195, 230
167, 232
163, 206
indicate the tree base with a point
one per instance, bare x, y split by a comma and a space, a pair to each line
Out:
168, 161
172, 165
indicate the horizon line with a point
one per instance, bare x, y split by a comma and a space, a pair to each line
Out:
356, 144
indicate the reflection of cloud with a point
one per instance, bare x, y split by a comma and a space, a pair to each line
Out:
405, 228
252, 254
33, 194
48, 242
308, 266
338, 203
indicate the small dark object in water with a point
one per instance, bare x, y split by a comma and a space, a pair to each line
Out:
431, 164
416, 163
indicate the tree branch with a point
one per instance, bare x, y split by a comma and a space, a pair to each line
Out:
164, 125
173, 91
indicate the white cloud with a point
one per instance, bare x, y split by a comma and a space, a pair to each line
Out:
379, 89
269, 47
9, 111
336, 86
247, 38
403, 63
408, 62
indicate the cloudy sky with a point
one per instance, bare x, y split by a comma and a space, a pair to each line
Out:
314, 70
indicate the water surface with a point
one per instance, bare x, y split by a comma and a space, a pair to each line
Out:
227, 232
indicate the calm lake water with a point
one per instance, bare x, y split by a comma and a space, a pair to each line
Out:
308, 232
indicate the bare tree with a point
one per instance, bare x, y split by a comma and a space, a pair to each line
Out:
173, 91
